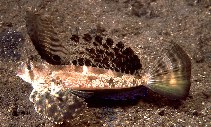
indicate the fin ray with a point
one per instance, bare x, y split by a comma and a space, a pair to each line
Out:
171, 74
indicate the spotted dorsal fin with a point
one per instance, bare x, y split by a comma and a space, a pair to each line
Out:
86, 49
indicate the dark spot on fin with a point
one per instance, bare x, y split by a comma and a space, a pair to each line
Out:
87, 37
75, 38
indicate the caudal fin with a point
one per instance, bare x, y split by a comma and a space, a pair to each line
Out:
170, 74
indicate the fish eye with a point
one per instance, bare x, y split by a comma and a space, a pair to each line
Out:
29, 67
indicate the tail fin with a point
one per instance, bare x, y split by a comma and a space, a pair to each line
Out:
170, 75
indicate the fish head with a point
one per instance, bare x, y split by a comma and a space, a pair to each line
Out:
33, 72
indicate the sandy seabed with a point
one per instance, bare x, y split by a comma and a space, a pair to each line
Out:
138, 23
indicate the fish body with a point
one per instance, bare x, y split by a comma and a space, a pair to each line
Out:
83, 78
59, 90
170, 76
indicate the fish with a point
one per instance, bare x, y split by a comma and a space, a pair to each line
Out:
169, 77
73, 70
